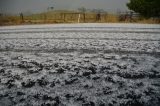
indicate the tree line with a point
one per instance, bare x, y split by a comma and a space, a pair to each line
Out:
146, 8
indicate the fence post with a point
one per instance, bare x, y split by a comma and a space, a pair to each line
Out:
131, 16
64, 16
84, 17
79, 17
21, 17
45, 17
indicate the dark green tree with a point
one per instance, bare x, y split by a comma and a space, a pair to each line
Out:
146, 8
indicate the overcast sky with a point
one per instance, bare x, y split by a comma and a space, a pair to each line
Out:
17, 6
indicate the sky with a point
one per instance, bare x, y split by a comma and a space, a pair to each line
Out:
37, 6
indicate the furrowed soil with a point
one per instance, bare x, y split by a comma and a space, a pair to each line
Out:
80, 65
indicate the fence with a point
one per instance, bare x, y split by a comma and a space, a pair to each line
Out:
67, 17
128, 16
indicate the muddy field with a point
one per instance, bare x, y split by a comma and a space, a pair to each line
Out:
80, 65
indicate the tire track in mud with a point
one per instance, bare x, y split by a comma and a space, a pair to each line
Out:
93, 28
68, 38
87, 31
157, 54
82, 28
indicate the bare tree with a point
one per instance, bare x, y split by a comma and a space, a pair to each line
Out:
83, 10
50, 8
98, 11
